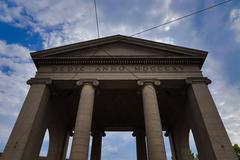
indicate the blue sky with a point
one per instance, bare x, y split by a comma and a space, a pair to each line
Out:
27, 26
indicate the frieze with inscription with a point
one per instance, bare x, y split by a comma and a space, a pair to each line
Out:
116, 68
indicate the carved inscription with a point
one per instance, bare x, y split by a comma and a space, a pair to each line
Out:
118, 68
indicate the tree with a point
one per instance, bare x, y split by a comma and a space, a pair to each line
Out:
237, 150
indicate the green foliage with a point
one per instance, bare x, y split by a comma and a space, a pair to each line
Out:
195, 156
236, 148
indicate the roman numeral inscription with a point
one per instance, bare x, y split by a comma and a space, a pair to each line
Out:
118, 68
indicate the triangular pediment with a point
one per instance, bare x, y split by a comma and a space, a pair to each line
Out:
118, 49
119, 46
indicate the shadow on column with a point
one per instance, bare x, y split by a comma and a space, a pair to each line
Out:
58, 142
179, 140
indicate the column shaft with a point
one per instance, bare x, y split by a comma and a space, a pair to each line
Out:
155, 144
179, 141
208, 130
58, 139
65, 145
140, 145
96, 145
173, 150
26, 137
82, 129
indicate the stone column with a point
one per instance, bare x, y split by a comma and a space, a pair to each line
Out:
140, 144
27, 135
97, 145
83, 123
58, 142
209, 133
179, 141
155, 143
65, 145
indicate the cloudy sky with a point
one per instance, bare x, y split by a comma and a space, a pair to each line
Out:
27, 26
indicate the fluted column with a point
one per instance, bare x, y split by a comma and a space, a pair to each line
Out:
209, 133
28, 132
155, 143
83, 123
140, 144
97, 145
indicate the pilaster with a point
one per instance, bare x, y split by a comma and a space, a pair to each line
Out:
26, 137
210, 135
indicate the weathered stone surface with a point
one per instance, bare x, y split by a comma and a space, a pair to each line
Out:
82, 128
155, 144
94, 86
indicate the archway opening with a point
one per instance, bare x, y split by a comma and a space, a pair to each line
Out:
45, 145
193, 146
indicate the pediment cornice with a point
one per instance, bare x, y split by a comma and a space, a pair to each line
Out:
133, 51
119, 60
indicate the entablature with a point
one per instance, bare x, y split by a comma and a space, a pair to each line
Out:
119, 60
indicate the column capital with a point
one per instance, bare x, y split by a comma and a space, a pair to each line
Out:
142, 82
138, 132
166, 134
197, 80
101, 133
93, 82
71, 133
46, 81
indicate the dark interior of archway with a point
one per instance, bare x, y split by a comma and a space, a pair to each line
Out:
120, 109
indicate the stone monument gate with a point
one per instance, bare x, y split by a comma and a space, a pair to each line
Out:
119, 83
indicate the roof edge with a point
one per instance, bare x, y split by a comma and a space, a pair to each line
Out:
121, 38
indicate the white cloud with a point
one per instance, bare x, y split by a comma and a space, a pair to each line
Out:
123, 136
56, 12
110, 148
155, 11
14, 14
7, 14
62, 22
58, 22
235, 19
119, 145
226, 97
69, 33
14, 51
13, 86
